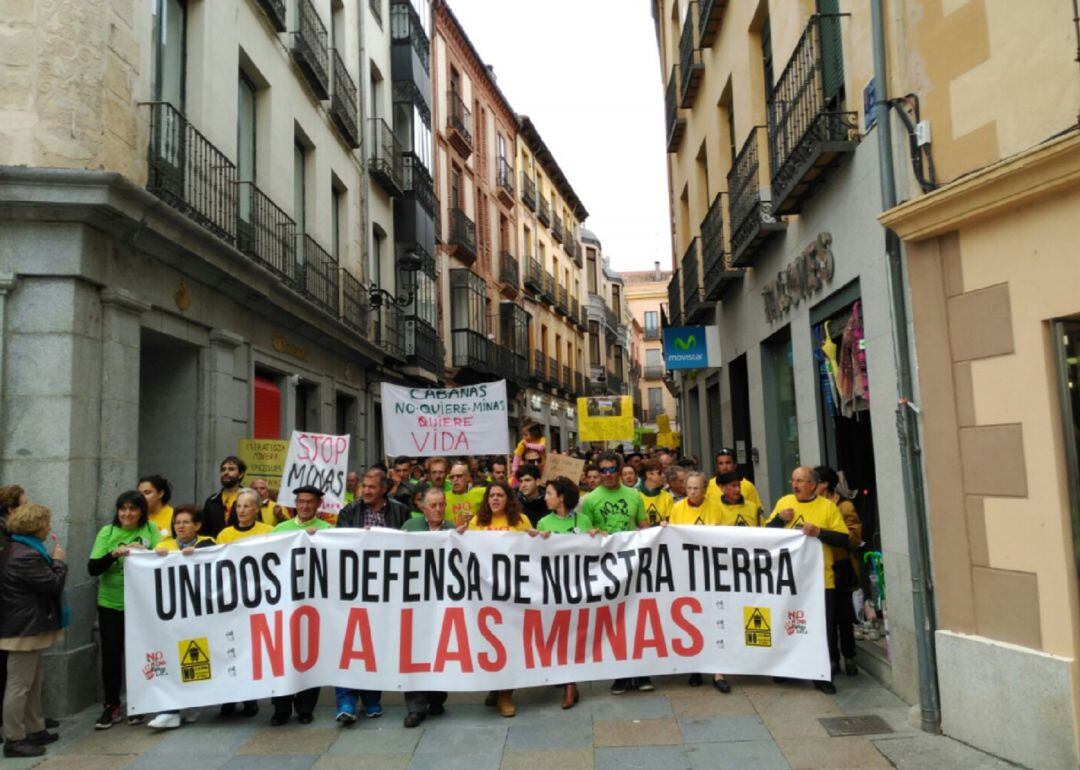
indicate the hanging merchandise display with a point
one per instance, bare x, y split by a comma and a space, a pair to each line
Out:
851, 379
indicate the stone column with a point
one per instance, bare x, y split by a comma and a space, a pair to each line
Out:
228, 401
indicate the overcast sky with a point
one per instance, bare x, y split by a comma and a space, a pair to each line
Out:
587, 72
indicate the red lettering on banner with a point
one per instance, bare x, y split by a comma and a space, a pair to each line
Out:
614, 630
454, 623
649, 614
311, 615
697, 641
407, 665
357, 626
486, 661
260, 635
533, 636
440, 441
582, 638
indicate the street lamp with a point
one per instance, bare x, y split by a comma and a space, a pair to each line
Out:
409, 262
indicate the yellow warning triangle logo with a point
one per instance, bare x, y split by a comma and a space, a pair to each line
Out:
193, 654
740, 522
757, 621
798, 523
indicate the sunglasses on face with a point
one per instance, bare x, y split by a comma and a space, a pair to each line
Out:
610, 470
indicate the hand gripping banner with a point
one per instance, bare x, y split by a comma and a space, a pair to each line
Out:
385, 610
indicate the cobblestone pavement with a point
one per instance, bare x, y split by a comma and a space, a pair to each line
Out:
760, 725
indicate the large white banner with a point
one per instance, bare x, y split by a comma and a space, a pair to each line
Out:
425, 422
386, 610
318, 459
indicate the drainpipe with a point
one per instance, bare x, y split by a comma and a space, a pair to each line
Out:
365, 228
907, 412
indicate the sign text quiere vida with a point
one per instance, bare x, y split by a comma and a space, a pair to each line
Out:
386, 610
421, 422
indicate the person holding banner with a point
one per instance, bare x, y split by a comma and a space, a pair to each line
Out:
130, 530
186, 523
725, 463
657, 500
736, 510
246, 511
308, 498
530, 493
817, 517
499, 512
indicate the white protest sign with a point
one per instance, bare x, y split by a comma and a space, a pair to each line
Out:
425, 422
318, 459
386, 610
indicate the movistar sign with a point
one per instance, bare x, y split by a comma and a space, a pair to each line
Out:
691, 347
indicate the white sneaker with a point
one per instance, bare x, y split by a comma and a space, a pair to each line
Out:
187, 716
166, 721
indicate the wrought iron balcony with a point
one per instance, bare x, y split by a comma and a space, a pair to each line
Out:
575, 311
504, 180
717, 271
611, 320
189, 173
552, 372
343, 102
579, 383
567, 382
692, 296
543, 212
423, 348
310, 49
508, 269
654, 372
539, 367
676, 126
264, 232
691, 66
615, 383
318, 273
808, 134
462, 240
674, 313
752, 219
385, 160
562, 300
275, 12
354, 303
417, 182
548, 292
528, 191
388, 330
556, 227
534, 275
406, 26
473, 351
459, 123
710, 15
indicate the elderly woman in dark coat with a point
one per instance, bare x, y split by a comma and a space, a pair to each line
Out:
32, 584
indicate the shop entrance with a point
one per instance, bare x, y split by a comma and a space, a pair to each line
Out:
168, 412
781, 420
740, 416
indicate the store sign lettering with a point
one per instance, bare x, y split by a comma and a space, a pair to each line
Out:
802, 278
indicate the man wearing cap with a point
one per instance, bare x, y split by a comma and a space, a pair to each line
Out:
308, 499
725, 463
735, 510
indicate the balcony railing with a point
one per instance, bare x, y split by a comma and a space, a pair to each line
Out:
676, 126
675, 314
543, 212
548, 292
388, 331
567, 379
539, 367
652, 333
422, 345
343, 102
575, 311
405, 25
717, 271
189, 173
556, 227
460, 123
691, 286
275, 12
710, 14
416, 181
376, 10
310, 48
691, 66
354, 302
528, 191
264, 232
385, 159
614, 382
752, 219
562, 299
508, 268
319, 275
534, 275
808, 134
504, 179
553, 372
654, 372
579, 383
462, 240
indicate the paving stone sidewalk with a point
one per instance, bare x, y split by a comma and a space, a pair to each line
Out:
761, 725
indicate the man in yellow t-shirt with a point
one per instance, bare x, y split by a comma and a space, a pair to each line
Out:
463, 500
266, 504
816, 517
658, 501
695, 508
725, 463
735, 510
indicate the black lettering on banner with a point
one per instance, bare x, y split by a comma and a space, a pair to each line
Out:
521, 577
456, 591
190, 591
500, 577
250, 584
389, 573
270, 563
664, 578
691, 551
160, 593
410, 573
348, 575
740, 567
785, 573
367, 575
606, 561
228, 595
435, 570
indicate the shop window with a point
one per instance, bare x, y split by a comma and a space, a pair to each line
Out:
267, 412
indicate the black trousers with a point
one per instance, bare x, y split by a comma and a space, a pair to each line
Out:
419, 701
111, 629
303, 701
839, 624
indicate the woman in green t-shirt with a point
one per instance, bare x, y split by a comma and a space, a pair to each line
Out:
561, 498
129, 531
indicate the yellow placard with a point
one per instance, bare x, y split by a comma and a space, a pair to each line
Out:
669, 440
194, 659
265, 457
663, 424
606, 418
758, 626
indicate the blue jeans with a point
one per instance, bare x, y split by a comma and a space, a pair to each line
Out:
347, 699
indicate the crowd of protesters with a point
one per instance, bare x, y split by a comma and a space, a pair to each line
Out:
615, 493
